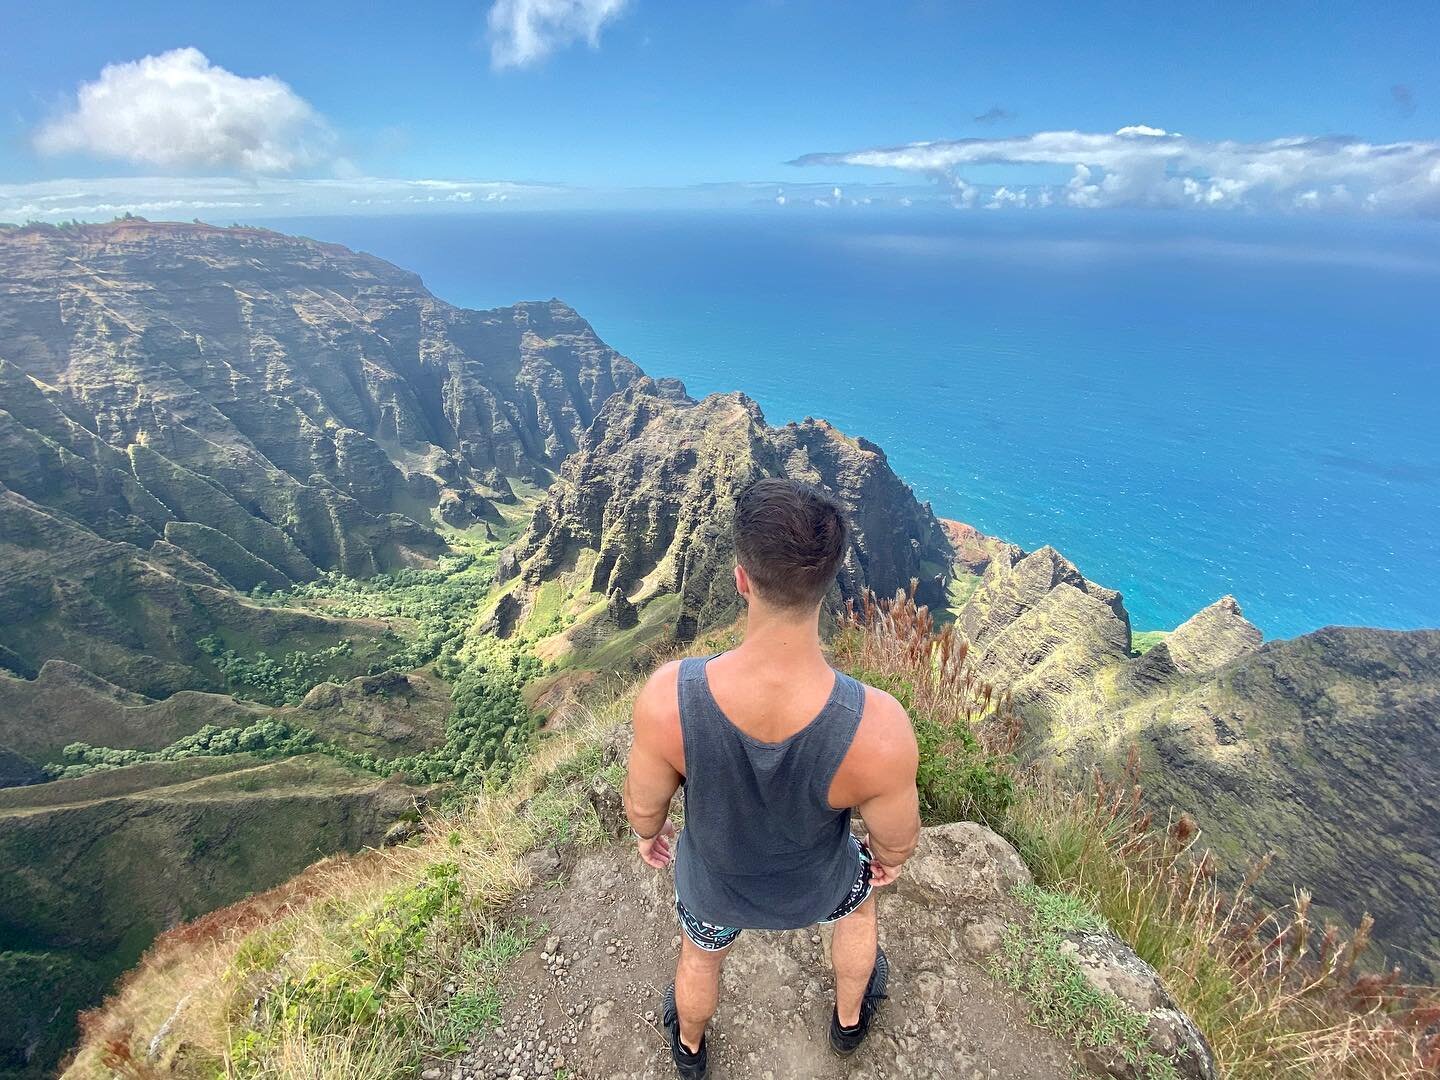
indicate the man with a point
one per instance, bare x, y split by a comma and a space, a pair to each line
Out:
774, 748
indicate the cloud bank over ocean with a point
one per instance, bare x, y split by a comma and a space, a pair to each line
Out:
1141, 165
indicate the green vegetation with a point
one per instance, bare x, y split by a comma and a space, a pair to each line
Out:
547, 611
373, 968
282, 681
384, 947
959, 780
962, 586
967, 766
1035, 963
438, 603
486, 733
492, 725
434, 607
1142, 641
265, 738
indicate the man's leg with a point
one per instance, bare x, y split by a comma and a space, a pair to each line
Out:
697, 989
852, 951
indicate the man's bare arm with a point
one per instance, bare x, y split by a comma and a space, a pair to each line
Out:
651, 778
892, 811
893, 822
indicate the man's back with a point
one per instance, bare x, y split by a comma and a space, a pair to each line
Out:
762, 847
771, 701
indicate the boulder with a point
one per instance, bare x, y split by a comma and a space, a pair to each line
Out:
963, 875
963, 864
1113, 968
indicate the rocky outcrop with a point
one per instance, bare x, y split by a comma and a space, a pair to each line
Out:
590, 987
1114, 969
645, 504
236, 407
1042, 629
973, 549
622, 612
960, 886
1211, 638
1322, 748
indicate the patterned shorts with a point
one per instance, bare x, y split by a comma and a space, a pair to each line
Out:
714, 938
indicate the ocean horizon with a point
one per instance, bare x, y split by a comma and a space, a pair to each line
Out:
1184, 408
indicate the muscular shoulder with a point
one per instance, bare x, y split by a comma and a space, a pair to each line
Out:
883, 756
886, 735
657, 712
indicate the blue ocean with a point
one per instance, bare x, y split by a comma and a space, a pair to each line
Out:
1185, 405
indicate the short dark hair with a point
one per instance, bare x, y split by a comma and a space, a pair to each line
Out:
790, 538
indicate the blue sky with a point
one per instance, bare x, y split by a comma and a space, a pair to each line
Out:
636, 101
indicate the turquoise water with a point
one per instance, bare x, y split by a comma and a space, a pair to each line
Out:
1185, 407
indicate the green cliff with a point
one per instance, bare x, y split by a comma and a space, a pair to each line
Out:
1321, 749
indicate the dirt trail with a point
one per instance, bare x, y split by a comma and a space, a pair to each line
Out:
591, 1010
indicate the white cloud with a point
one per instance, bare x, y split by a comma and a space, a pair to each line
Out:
523, 32
1141, 165
179, 111
1145, 129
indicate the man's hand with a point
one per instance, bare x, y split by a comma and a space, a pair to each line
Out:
656, 851
881, 875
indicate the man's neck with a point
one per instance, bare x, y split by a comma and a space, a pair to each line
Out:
780, 639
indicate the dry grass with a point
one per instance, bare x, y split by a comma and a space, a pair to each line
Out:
1276, 995
898, 638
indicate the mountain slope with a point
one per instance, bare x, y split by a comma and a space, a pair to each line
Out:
184, 407
1323, 749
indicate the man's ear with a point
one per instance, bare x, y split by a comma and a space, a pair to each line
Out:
742, 582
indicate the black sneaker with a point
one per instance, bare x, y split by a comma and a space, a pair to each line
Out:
846, 1040
689, 1066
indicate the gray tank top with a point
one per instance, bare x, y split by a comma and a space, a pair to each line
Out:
762, 849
